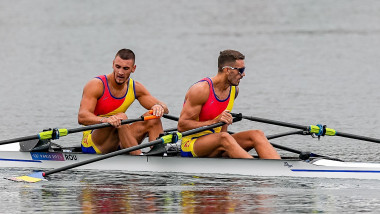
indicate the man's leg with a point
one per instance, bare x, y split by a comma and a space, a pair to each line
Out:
106, 139
218, 144
110, 138
257, 140
134, 134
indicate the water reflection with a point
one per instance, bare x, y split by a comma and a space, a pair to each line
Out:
208, 201
122, 192
118, 198
199, 195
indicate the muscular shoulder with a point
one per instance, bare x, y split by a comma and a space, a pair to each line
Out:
94, 88
140, 89
138, 85
198, 93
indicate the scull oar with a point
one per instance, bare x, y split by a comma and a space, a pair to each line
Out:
316, 129
302, 155
56, 133
169, 138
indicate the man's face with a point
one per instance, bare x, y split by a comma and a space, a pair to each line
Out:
235, 75
122, 69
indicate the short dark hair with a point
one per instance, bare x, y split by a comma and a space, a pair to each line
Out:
126, 54
228, 57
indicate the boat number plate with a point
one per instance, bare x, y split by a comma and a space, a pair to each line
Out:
53, 156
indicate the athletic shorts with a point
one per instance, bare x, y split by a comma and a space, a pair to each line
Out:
88, 145
187, 148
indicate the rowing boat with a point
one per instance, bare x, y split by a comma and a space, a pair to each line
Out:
172, 163
31, 152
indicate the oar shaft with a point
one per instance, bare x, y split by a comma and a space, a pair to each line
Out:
14, 140
286, 148
357, 137
74, 130
130, 149
170, 117
102, 157
306, 128
103, 125
269, 137
201, 129
274, 122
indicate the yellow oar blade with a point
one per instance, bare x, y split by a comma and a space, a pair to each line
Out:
32, 178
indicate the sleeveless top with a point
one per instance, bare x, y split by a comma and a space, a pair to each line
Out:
109, 105
213, 108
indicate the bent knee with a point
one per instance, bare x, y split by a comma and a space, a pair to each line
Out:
256, 135
226, 140
152, 123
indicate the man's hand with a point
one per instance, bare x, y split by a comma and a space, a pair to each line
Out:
226, 117
158, 110
116, 119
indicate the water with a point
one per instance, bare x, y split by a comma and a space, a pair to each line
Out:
308, 62
175, 193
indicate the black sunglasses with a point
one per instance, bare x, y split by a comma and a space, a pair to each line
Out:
241, 70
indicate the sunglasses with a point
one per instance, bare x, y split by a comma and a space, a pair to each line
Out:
241, 70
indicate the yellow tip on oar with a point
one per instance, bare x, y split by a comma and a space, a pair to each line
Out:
25, 179
32, 178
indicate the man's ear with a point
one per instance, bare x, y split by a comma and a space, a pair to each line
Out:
133, 69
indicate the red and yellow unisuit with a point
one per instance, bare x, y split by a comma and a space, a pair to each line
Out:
106, 106
210, 110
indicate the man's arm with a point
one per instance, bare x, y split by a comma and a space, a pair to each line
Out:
91, 92
148, 101
195, 98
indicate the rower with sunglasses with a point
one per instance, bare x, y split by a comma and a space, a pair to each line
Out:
209, 101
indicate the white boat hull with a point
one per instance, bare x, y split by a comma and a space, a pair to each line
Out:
195, 166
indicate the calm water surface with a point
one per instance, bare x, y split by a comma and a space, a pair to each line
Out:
308, 62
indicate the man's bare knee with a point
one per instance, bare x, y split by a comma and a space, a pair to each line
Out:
152, 123
226, 140
257, 137
256, 134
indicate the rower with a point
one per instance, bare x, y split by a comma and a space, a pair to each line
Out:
209, 101
105, 100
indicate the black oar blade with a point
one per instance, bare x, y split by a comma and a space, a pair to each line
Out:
32, 178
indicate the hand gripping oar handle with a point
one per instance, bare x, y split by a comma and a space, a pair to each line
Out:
63, 132
311, 129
